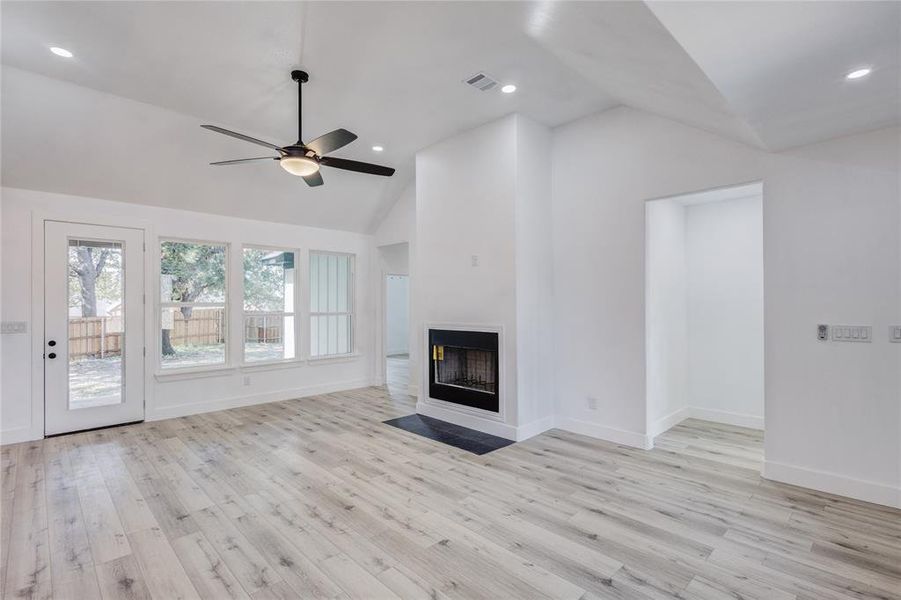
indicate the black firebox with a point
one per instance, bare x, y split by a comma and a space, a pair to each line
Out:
463, 368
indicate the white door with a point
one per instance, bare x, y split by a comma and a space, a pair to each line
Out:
93, 326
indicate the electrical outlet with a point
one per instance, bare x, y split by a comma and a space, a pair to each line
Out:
823, 332
894, 334
475, 260
14, 327
247, 380
852, 333
592, 403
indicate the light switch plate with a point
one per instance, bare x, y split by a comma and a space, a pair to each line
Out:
894, 334
14, 327
823, 332
852, 333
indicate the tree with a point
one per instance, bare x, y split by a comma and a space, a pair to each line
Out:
93, 270
196, 273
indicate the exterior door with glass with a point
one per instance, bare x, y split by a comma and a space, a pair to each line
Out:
93, 326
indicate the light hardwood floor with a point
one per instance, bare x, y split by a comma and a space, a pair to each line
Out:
315, 498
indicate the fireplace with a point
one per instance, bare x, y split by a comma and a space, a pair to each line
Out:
463, 368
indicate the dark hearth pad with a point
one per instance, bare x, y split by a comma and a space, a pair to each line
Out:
450, 434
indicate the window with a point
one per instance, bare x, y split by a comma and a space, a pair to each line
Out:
268, 305
193, 304
331, 304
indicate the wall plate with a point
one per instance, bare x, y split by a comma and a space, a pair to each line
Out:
852, 333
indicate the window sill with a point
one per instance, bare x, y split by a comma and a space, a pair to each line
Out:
271, 365
193, 373
336, 358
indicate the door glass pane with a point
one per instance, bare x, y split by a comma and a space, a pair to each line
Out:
96, 284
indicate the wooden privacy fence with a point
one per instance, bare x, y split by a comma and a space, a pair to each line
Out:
99, 337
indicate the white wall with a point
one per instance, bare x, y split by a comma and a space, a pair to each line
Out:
666, 315
397, 339
465, 207
20, 418
724, 260
483, 258
831, 240
534, 278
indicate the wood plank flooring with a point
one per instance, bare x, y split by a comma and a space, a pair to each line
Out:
316, 498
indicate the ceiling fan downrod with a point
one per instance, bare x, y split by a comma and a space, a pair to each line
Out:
301, 77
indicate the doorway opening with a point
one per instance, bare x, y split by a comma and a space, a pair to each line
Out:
704, 321
396, 347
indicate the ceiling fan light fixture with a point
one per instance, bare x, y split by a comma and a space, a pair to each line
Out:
299, 165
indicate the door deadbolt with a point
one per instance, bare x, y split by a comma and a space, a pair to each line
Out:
51, 343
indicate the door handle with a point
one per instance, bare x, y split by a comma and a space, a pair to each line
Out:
51, 355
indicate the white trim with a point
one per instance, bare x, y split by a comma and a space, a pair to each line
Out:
666, 423
609, 434
413, 390
194, 408
536, 427
182, 373
332, 358
472, 421
477, 415
271, 365
833, 483
726, 417
17, 435
669, 421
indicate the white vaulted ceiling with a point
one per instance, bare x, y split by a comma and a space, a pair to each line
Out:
121, 119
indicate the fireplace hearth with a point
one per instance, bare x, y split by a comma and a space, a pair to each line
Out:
464, 368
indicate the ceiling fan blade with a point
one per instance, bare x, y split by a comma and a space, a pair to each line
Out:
314, 179
355, 165
331, 141
241, 136
243, 160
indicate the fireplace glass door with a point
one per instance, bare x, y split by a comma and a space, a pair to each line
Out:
464, 368
468, 368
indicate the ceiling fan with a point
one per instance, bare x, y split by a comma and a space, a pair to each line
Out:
304, 159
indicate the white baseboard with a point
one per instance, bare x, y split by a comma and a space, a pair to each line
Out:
183, 410
609, 434
669, 421
705, 414
17, 435
537, 427
868, 491
478, 423
726, 418
490, 426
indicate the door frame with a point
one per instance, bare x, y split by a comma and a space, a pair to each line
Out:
36, 316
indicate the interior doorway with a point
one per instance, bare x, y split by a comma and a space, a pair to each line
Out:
93, 326
397, 331
704, 309
396, 347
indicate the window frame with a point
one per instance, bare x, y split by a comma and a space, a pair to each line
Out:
351, 305
297, 314
160, 305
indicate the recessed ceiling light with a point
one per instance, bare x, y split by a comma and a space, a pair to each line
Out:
61, 52
377, 148
509, 88
858, 73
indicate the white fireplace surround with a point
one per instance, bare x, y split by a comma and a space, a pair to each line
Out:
466, 416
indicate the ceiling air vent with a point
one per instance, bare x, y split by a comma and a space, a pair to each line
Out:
481, 81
